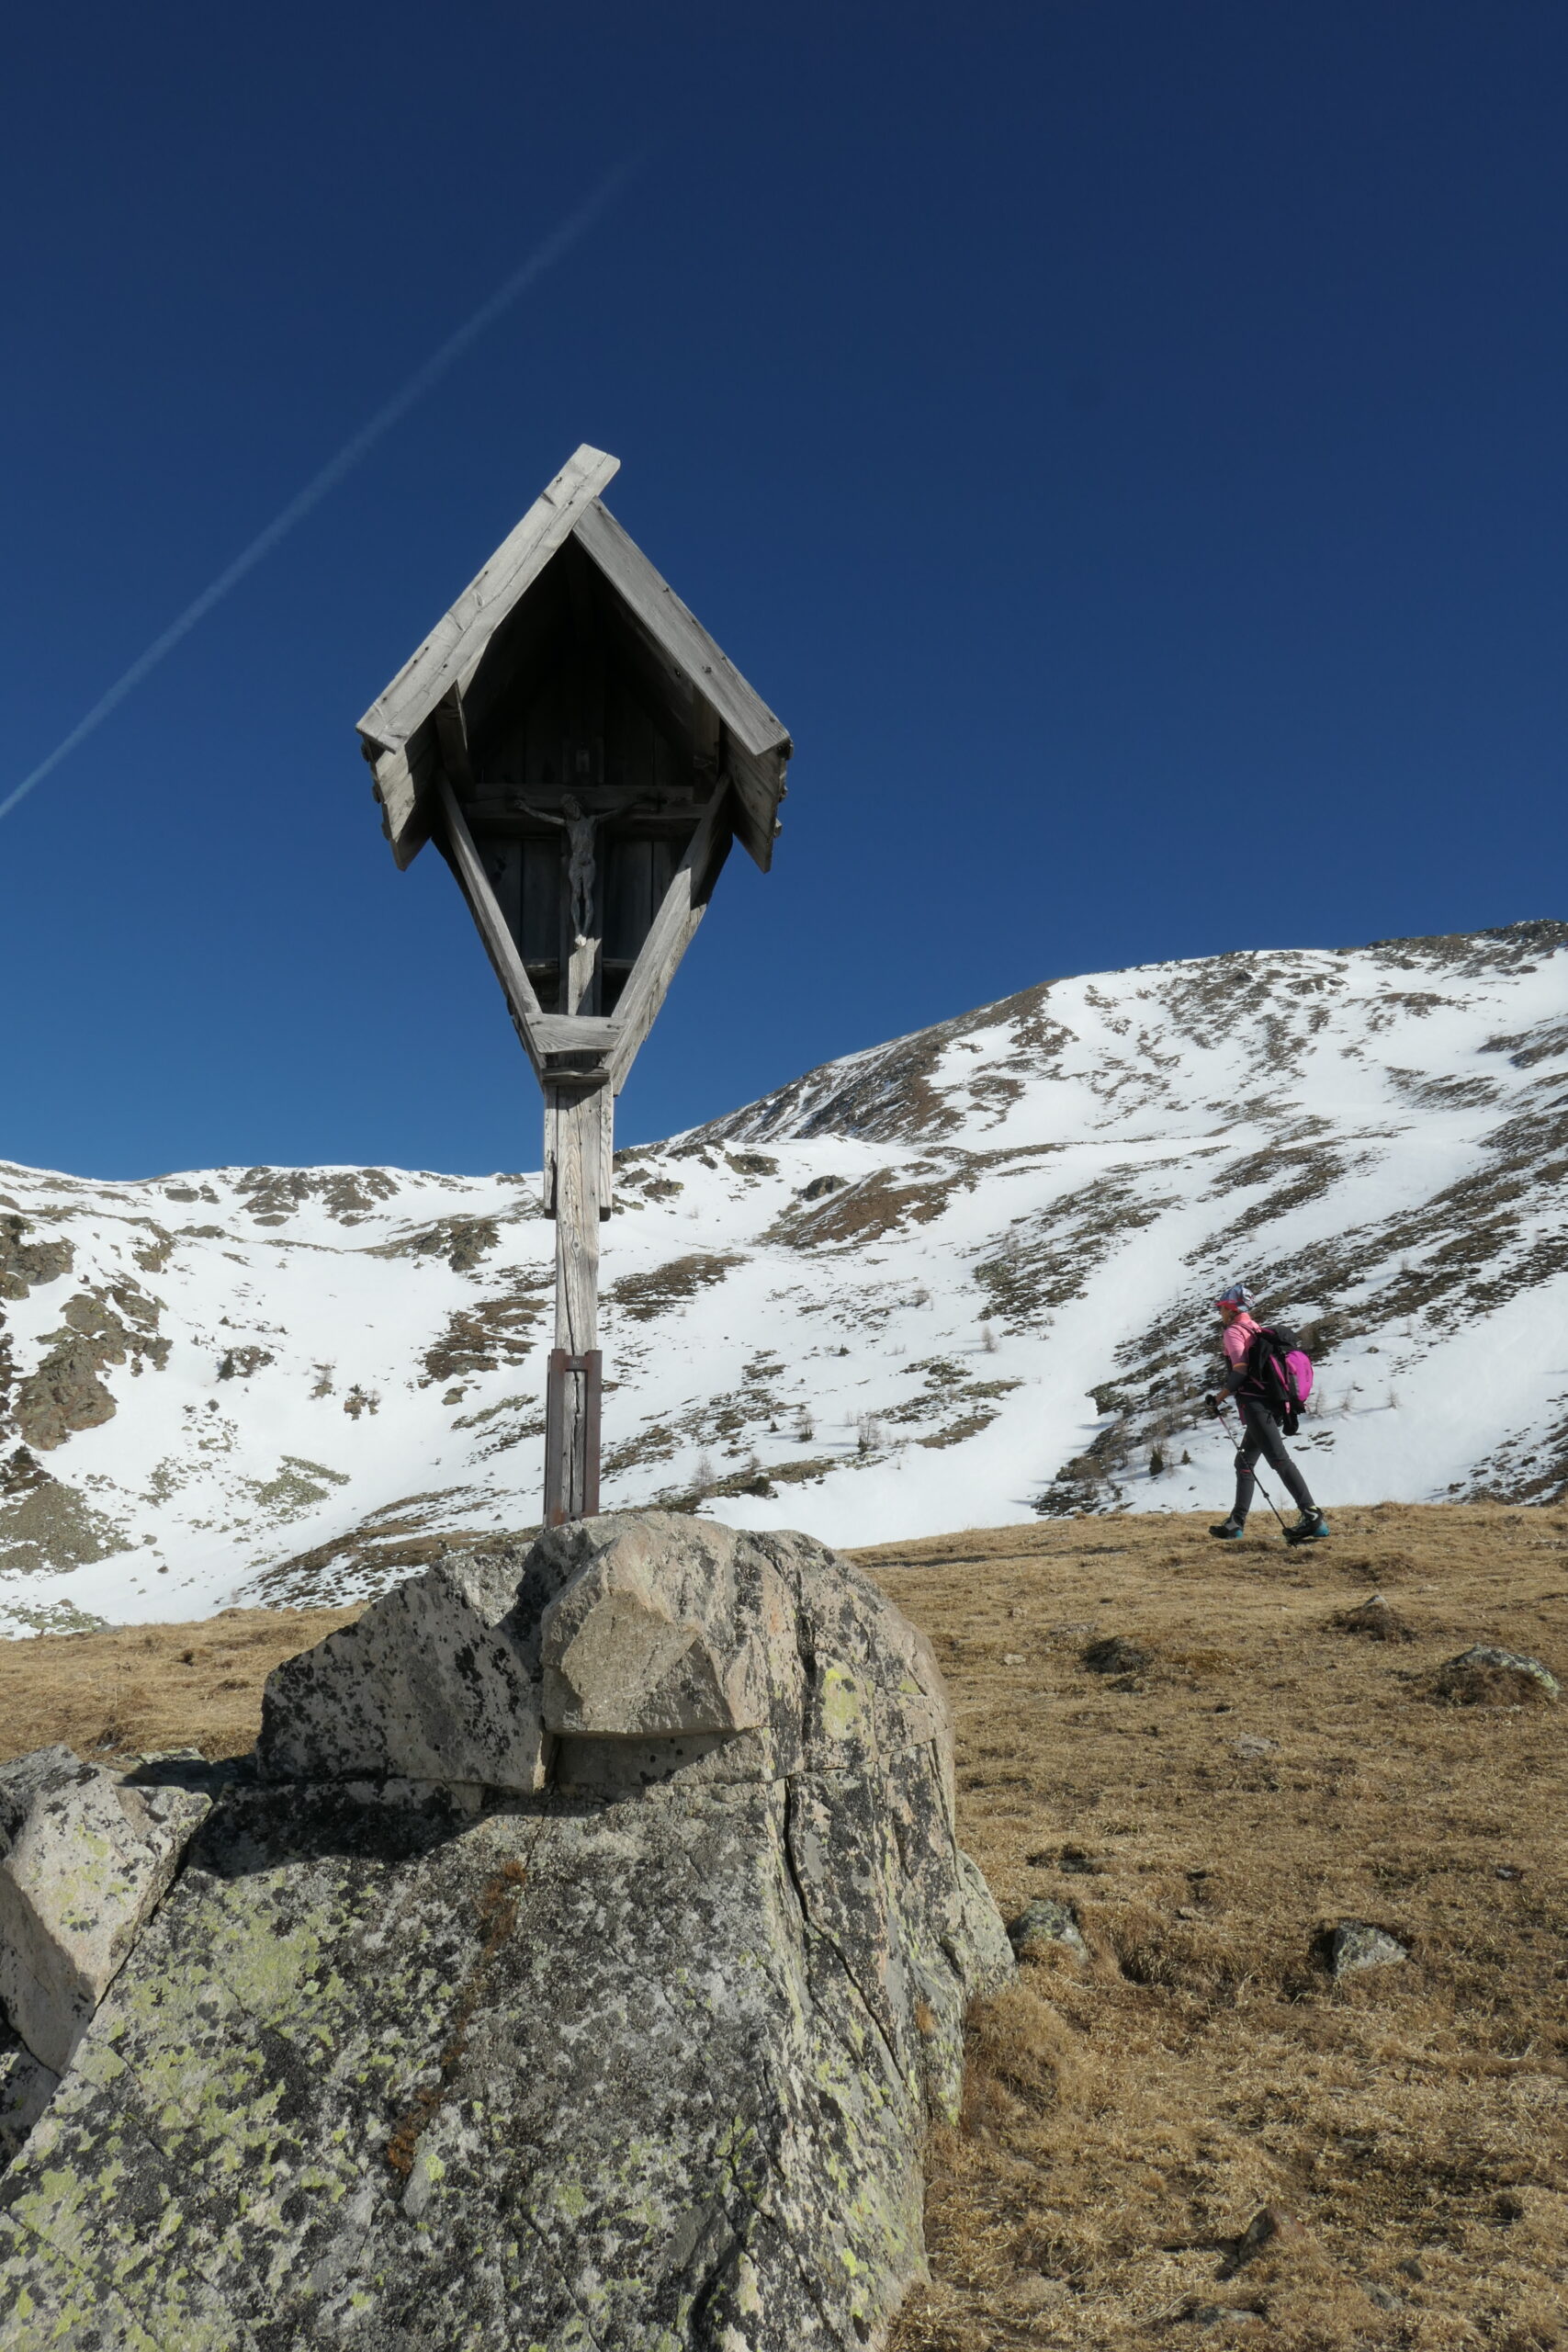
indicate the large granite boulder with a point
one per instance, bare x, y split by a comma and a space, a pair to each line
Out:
635, 2059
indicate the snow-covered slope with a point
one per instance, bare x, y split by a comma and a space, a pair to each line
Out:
938, 1284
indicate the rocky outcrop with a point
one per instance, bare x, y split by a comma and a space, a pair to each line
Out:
25, 1263
64, 1394
630, 2048
85, 1858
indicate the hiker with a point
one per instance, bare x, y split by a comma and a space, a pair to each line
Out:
1261, 1416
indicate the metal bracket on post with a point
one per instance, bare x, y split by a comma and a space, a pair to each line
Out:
558, 1471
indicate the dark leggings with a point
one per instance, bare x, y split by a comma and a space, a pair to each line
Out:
1263, 1438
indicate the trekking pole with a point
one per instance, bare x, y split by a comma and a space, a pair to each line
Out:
1220, 1416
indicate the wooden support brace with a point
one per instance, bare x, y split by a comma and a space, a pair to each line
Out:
673, 929
500, 945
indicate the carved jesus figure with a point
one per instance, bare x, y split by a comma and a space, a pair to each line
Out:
580, 831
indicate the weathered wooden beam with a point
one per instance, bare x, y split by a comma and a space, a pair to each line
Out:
501, 947
758, 789
405, 787
395, 789
581, 973
707, 736
672, 932
457, 644
452, 741
679, 631
575, 1033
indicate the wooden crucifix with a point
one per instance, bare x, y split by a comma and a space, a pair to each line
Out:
582, 755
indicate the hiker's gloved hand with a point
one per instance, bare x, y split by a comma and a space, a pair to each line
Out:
1214, 1406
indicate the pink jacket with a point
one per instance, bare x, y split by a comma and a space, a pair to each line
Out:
1237, 1337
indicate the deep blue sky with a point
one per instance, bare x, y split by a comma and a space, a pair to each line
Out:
1123, 439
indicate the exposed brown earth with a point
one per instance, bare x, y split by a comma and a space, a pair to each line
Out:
1198, 2132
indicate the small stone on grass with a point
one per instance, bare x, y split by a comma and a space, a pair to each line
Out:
1355, 1943
1483, 1676
1046, 1921
1375, 1619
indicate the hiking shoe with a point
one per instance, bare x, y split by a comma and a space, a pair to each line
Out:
1229, 1531
1309, 1527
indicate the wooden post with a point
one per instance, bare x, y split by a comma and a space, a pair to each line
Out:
575, 1118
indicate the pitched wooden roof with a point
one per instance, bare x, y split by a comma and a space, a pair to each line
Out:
400, 730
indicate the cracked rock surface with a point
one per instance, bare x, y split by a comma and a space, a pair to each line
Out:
637, 2060
85, 1856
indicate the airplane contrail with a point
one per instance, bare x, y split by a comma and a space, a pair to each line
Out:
560, 242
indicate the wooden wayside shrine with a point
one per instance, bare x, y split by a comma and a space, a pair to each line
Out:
582, 755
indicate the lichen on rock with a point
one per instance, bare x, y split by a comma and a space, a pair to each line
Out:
84, 1856
638, 2060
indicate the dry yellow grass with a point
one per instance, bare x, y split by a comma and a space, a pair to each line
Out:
1126, 2121
141, 1687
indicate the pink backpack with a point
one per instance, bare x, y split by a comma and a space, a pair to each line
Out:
1282, 1370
